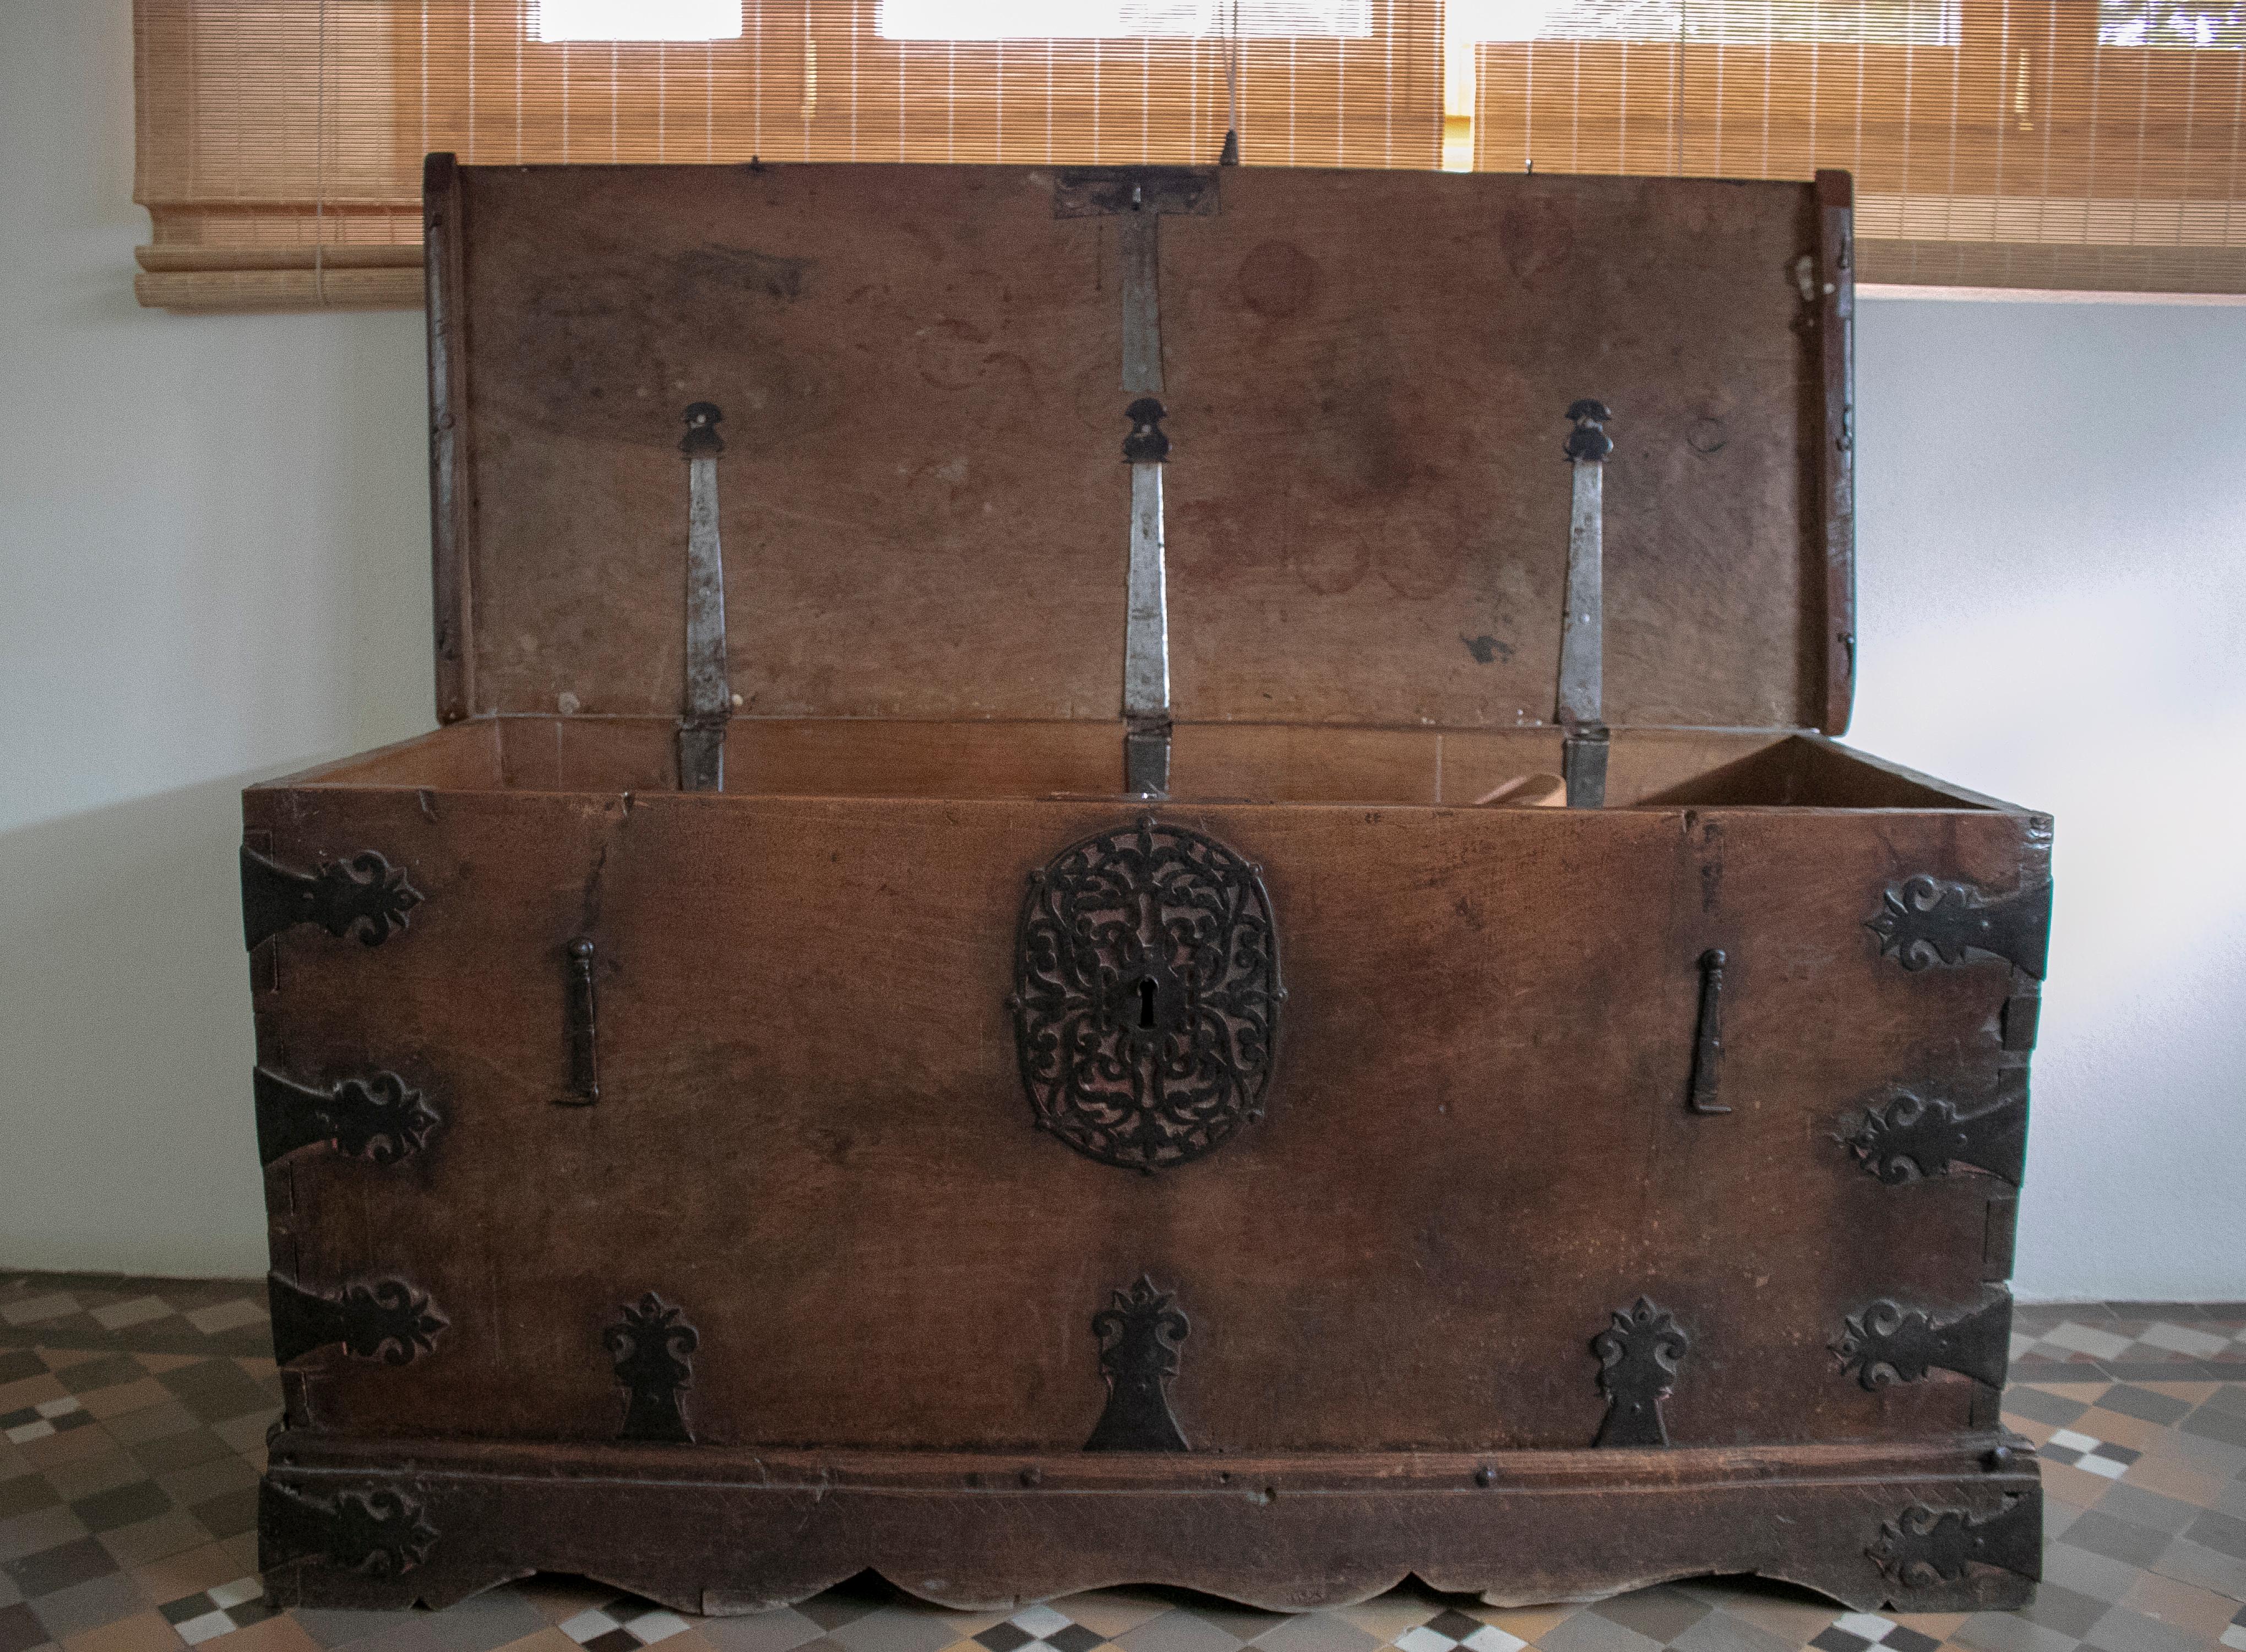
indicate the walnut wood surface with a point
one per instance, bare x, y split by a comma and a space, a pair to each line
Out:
923, 501
811, 1131
997, 1532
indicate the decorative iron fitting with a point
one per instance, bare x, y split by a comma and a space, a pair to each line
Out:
1138, 1337
1924, 921
1146, 995
1914, 1138
384, 1319
363, 895
377, 1118
1888, 1343
653, 1349
1923, 1547
1588, 441
380, 1531
1097, 192
1637, 1357
1148, 443
1708, 1038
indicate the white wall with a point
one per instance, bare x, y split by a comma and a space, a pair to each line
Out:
214, 544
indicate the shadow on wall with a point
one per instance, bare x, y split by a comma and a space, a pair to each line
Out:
125, 1062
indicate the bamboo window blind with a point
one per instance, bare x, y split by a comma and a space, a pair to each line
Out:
2033, 143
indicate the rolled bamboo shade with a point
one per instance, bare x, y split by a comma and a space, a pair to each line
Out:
2086, 144
280, 142
2016, 143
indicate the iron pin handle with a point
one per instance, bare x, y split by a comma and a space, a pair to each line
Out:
1708, 1037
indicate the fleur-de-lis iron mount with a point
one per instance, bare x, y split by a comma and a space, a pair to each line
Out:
384, 1319
377, 1118
1924, 921
1888, 1343
365, 895
1139, 1335
1638, 1356
379, 1531
1923, 1547
653, 1348
1917, 1137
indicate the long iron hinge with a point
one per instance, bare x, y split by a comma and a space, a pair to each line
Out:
709, 697
1582, 689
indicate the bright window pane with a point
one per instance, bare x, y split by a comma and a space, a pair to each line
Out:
1120, 19
1917, 23
639, 19
2136, 22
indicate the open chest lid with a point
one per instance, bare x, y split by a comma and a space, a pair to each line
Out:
923, 498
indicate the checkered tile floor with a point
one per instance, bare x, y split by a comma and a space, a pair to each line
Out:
134, 1413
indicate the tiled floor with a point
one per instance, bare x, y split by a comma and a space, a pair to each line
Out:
134, 1414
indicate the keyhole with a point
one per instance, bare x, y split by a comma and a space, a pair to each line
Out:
1146, 1004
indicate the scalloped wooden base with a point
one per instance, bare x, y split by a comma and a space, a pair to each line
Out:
388, 1523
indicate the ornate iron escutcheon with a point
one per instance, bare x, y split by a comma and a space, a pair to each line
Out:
1138, 1337
1638, 1361
1146, 995
384, 1319
1917, 1137
1924, 921
364, 894
379, 1531
1923, 1546
1888, 1343
376, 1118
653, 1349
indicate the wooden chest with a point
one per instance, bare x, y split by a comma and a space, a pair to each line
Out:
969, 988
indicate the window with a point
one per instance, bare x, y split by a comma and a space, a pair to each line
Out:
567, 20
2137, 23
1729, 22
1121, 19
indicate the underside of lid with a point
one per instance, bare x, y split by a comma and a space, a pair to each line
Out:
923, 499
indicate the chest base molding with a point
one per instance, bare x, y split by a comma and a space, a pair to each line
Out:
1948, 1527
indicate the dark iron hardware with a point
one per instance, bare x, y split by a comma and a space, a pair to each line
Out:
1888, 1343
709, 696
1917, 1137
1708, 1037
653, 1349
384, 1319
1923, 921
1148, 443
1146, 995
1096, 191
579, 1023
376, 1118
1581, 707
1138, 1337
1923, 1546
1589, 440
1638, 1356
363, 895
380, 1531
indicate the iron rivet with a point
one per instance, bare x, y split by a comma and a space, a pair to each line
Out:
1030, 1476
1146, 823
1484, 1475
2000, 1459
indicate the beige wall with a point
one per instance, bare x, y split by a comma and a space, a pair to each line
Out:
213, 551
